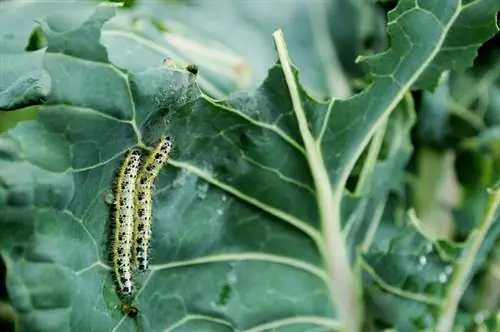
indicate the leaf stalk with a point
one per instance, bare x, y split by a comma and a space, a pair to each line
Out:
343, 287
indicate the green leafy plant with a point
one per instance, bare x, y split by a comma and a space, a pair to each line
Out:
356, 196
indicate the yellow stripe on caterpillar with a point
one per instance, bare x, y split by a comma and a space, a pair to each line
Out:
148, 172
124, 222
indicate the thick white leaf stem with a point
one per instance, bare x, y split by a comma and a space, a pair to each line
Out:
343, 284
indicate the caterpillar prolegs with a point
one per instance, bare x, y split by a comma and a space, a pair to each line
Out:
148, 172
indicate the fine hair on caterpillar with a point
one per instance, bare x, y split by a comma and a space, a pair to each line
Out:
123, 222
148, 172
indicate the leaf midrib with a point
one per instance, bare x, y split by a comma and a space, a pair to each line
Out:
342, 284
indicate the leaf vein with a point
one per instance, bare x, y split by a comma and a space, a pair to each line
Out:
247, 256
397, 291
299, 224
322, 321
272, 127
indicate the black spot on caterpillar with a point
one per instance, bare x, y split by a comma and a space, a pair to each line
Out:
148, 172
123, 220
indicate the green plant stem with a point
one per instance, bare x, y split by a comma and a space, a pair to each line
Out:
343, 287
466, 115
460, 278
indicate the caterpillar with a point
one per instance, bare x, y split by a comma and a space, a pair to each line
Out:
124, 222
148, 172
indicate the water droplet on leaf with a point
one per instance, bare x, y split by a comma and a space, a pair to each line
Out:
480, 316
202, 190
422, 260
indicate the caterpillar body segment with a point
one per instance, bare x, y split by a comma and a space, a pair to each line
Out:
124, 222
148, 172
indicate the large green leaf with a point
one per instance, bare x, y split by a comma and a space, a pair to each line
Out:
247, 217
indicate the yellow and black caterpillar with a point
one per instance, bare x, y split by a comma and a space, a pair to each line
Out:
133, 213
150, 168
124, 222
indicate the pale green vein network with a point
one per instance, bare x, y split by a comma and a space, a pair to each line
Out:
280, 175
93, 166
353, 219
104, 115
275, 171
94, 63
101, 195
306, 267
131, 99
320, 321
80, 221
91, 266
397, 291
297, 223
131, 96
191, 317
325, 123
272, 127
90, 111
295, 263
